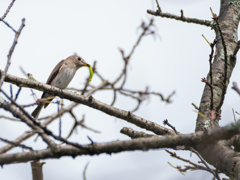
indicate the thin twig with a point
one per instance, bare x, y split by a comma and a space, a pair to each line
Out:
74, 125
18, 92
165, 122
96, 72
212, 111
159, 9
179, 18
235, 87
151, 93
146, 30
11, 92
85, 170
204, 162
126, 94
136, 108
114, 97
206, 40
23, 71
45, 130
16, 144
50, 119
60, 120
79, 123
195, 106
8, 25
225, 60
210, 72
182, 16
195, 166
11, 51
205, 81
12, 119
234, 115
7, 11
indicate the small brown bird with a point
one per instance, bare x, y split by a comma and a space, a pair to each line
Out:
60, 77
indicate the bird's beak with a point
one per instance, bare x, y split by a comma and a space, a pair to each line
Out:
85, 64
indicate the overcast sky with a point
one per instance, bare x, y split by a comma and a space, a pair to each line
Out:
175, 60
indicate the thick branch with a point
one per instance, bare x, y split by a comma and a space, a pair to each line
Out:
136, 144
91, 102
47, 121
219, 155
18, 113
37, 173
134, 134
229, 17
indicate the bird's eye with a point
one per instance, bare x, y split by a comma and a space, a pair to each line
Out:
79, 58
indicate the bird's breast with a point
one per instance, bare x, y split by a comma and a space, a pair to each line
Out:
64, 77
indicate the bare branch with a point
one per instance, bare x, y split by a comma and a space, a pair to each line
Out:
79, 123
16, 144
224, 89
205, 81
194, 105
7, 11
11, 51
235, 87
12, 119
159, 9
114, 97
8, 25
193, 167
135, 144
146, 31
19, 112
37, 173
17, 94
84, 171
134, 134
91, 102
210, 72
48, 120
180, 18
165, 122
204, 162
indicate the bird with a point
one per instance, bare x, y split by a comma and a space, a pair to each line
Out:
60, 77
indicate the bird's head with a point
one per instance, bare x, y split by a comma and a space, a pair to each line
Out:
79, 61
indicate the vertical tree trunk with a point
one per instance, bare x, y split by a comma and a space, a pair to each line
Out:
218, 154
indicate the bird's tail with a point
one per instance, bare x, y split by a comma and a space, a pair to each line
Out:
37, 111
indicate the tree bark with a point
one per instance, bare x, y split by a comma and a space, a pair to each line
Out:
37, 173
228, 19
219, 155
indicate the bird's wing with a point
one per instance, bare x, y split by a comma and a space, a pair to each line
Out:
54, 72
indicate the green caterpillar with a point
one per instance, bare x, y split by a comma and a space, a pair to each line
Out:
91, 72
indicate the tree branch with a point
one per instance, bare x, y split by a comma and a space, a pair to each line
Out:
11, 51
180, 18
48, 120
202, 138
91, 102
7, 11
228, 17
